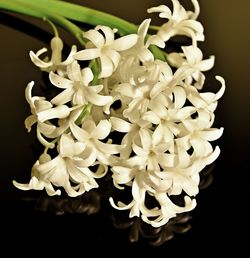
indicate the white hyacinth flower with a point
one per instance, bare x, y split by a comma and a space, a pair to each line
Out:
47, 172
163, 119
205, 100
92, 135
192, 57
168, 210
140, 50
180, 22
43, 111
139, 180
55, 63
76, 87
106, 48
68, 166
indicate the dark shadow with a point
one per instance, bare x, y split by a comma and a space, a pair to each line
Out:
25, 27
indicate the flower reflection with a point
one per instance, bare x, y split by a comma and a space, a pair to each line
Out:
88, 204
158, 236
91, 203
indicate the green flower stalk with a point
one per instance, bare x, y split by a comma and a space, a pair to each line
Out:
61, 12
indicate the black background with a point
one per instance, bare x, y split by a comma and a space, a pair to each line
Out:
220, 219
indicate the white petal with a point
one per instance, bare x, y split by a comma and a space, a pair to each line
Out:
179, 97
220, 93
155, 40
34, 184
184, 113
87, 158
59, 81
57, 112
102, 130
160, 9
108, 148
87, 54
29, 121
196, 12
96, 99
201, 147
70, 58
167, 160
38, 62
80, 134
46, 129
143, 29
63, 97
140, 151
193, 54
95, 37
211, 134
108, 33
76, 174
151, 117
175, 59
28, 93
146, 139
114, 57
207, 64
158, 134
87, 76
74, 72
120, 125
126, 89
122, 175
41, 104
125, 42
120, 206
65, 146
158, 108
50, 190
107, 67
213, 156
46, 167
43, 141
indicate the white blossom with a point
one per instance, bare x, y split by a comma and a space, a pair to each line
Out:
43, 111
76, 87
163, 118
106, 48
72, 164
55, 63
180, 22
192, 57
92, 134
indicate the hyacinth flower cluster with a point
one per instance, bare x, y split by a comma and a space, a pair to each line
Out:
128, 84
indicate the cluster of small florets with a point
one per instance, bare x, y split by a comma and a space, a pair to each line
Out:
163, 116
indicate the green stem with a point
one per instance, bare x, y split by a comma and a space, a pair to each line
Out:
85, 112
81, 14
57, 11
153, 27
52, 26
24, 7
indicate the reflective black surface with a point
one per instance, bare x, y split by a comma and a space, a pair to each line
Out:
88, 223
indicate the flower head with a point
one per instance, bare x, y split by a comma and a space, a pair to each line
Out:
106, 48
180, 22
55, 63
163, 119
76, 88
